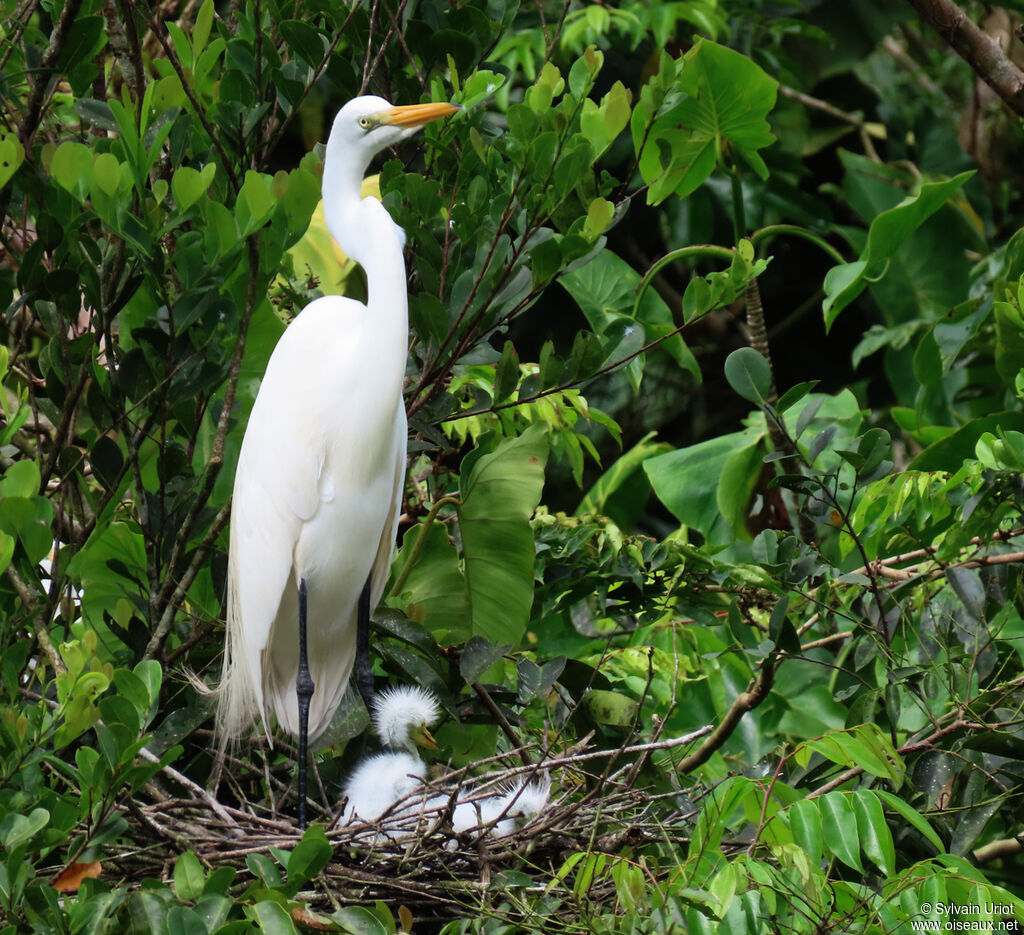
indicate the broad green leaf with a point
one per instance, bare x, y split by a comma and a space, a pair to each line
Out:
106, 173
499, 494
888, 231
749, 374
602, 123
687, 481
359, 920
506, 373
728, 98
950, 452
913, 816
612, 708
839, 827
16, 828
875, 836
736, 484
201, 29
147, 911
273, 919
72, 168
7, 544
478, 656
621, 471
600, 215
255, 202
864, 745
310, 856
434, 591
805, 823
189, 878
21, 479
189, 185
12, 155
605, 290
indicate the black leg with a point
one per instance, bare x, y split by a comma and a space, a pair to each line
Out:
304, 691
363, 669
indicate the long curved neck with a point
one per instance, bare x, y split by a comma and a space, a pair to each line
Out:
365, 232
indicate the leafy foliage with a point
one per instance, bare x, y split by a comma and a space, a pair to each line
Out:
772, 589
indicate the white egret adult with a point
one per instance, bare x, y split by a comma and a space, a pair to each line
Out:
318, 489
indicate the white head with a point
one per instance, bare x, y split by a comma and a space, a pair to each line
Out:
403, 717
363, 127
527, 800
368, 124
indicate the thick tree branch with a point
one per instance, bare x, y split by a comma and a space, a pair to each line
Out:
986, 58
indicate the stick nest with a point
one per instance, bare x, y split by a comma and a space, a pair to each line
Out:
417, 860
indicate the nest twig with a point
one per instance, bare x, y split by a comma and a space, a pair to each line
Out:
411, 856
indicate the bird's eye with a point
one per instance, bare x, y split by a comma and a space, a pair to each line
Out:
365, 122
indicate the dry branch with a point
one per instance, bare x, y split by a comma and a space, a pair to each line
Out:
986, 58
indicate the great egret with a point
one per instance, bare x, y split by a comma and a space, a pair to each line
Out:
402, 718
318, 488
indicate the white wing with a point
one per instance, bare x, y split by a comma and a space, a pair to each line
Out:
309, 498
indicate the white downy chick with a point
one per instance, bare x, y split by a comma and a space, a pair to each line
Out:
378, 783
402, 718
520, 804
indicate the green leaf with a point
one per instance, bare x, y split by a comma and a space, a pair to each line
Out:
839, 827
687, 481
805, 823
12, 155
188, 185
477, 657
506, 374
600, 215
21, 479
189, 878
360, 921
305, 41
273, 919
728, 98
310, 856
602, 123
888, 231
622, 470
749, 374
16, 828
949, 453
913, 816
611, 708
106, 173
500, 491
780, 628
147, 911
7, 544
605, 290
875, 836
255, 202
201, 30
434, 591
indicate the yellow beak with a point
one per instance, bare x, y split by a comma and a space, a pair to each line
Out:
415, 115
423, 738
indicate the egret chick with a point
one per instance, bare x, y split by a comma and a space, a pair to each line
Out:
520, 804
402, 718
